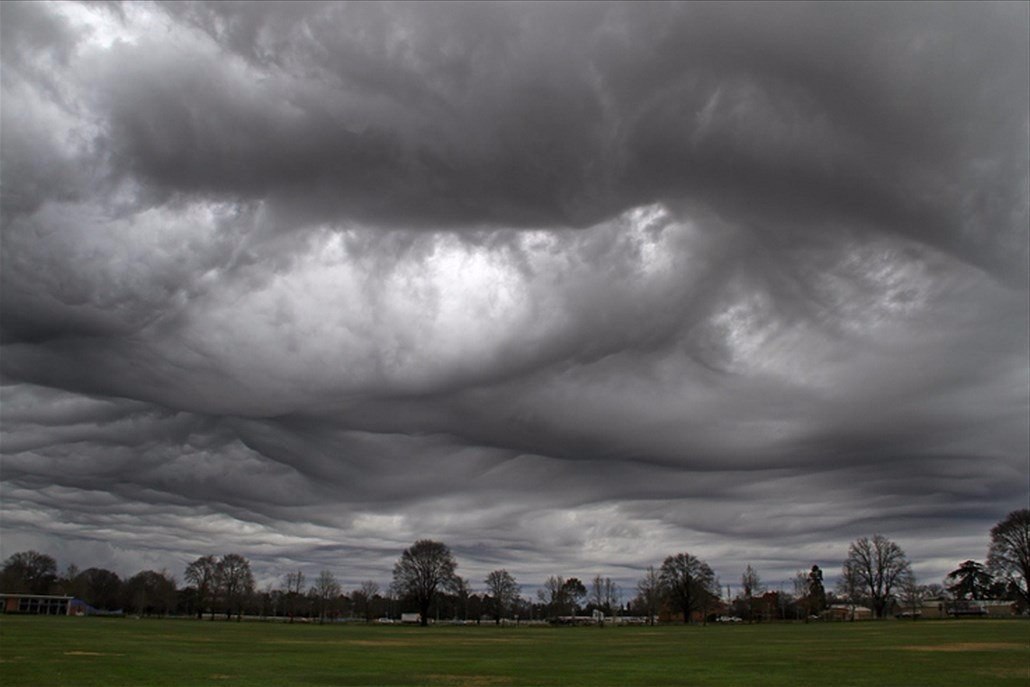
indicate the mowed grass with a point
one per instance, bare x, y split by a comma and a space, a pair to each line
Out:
106, 651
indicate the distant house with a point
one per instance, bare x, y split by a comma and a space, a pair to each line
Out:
995, 608
1000, 608
846, 612
712, 611
44, 604
929, 608
37, 604
963, 608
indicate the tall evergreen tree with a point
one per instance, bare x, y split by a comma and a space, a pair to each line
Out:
970, 581
816, 591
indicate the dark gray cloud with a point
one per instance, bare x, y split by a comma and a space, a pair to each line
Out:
571, 286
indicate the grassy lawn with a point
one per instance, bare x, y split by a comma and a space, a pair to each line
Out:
120, 651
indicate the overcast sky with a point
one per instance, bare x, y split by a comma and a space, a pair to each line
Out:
569, 287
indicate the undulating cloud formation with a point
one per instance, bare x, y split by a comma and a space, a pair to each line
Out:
568, 286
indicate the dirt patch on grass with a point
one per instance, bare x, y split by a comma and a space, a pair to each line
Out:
342, 642
372, 643
89, 653
1007, 673
220, 676
965, 646
473, 641
295, 641
469, 680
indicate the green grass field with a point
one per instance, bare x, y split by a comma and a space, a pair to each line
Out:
97, 651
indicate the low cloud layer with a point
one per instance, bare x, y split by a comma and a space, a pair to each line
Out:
570, 286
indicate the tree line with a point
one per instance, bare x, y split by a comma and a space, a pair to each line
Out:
876, 573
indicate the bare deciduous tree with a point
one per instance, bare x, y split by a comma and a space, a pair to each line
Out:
504, 590
325, 590
293, 588
573, 593
551, 594
912, 595
688, 583
235, 582
463, 590
1009, 555
363, 598
203, 575
649, 593
801, 600
751, 585
604, 594
849, 587
879, 567
424, 569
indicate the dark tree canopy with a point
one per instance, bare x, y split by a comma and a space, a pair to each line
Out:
573, 593
293, 592
649, 593
150, 592
235, 582
751, 586
28, 571
203, 575
550, 594
363, 599
816, 590
325, 591
424, 569
1009, 554
100, 587
878, 567
876, 572
604, 594
688, 583
750, 582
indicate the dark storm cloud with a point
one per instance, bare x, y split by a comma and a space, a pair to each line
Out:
571, 286
560, 115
